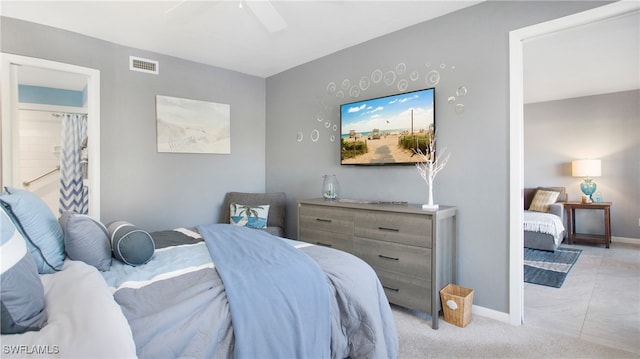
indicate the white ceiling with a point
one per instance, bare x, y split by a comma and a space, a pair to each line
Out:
587, 60
596, 58
222, 34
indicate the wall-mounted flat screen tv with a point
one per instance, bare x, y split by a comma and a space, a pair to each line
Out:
387, 130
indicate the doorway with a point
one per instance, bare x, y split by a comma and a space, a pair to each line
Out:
49, 74
516, 150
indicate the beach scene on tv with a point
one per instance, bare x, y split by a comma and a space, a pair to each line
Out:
387, 130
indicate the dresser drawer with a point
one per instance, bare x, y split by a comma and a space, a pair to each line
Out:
328, 239
337, 220
406, 291
412, 229
392, 257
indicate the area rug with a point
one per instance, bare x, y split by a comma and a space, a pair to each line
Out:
549, 268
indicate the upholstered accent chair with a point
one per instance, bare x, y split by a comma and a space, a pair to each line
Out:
277, 202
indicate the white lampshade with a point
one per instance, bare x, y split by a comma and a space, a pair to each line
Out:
586, 168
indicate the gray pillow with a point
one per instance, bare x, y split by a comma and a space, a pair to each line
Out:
130, 244
21, 291
86, 239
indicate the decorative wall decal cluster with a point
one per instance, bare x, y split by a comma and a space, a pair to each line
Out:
400, 75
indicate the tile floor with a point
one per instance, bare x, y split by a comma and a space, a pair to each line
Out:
598, 302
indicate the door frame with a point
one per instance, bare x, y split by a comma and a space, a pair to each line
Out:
516, 135
9, 129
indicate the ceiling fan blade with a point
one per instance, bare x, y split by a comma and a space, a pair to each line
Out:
174, 6
267, 14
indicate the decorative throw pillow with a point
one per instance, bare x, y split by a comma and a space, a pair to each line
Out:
21, 291
37, 224
249, 216
130, 244
86, 239
542, 200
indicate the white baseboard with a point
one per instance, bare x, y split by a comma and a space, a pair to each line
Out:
490, 313
625, 240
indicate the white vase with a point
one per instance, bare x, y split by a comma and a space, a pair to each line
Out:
330, 187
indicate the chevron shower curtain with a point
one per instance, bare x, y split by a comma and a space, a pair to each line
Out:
74, 196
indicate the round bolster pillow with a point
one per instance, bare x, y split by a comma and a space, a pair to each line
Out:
130, 244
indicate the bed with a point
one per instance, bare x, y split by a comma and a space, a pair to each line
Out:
216, 291
543, 219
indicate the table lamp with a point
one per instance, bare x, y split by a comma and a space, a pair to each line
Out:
586, 169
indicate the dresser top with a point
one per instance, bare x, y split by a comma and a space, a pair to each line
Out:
379, 206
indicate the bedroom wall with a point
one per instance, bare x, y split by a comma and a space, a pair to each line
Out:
467, 53
603, 126
150, 189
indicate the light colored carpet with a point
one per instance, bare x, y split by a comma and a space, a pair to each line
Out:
488, 338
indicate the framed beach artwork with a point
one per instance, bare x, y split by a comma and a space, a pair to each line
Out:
191, 126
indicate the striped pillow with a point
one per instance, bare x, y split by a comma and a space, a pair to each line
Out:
21, 291
542, 200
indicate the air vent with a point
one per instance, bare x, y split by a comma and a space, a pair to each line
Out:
143, 65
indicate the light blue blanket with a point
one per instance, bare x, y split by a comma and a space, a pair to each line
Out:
278, 296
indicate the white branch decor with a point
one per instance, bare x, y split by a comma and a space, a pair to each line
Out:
430, 166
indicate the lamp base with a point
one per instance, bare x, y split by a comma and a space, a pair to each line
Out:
588, 187
430, 207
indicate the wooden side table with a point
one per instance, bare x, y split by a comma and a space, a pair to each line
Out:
590, 238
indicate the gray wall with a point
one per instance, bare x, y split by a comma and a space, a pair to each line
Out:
472, 44
157, 190
605, 127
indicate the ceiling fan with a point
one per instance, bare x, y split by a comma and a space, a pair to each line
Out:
262, 9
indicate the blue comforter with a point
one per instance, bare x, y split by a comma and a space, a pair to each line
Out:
177, 306
278, 295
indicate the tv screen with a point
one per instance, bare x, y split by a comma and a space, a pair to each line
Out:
387, 130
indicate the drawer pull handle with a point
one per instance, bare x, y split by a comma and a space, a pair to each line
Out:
324, 244
393, 289
323, 220
386, 257
389, 229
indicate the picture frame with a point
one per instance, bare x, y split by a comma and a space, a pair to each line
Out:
192, 126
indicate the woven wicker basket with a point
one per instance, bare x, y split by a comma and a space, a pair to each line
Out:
457, 303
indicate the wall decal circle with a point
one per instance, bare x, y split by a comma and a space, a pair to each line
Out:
364, 83
389, 78
315, 135
354, 91
376, 76
331, 87
403, 85
433, 77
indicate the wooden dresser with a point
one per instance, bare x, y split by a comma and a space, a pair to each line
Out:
412, 250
